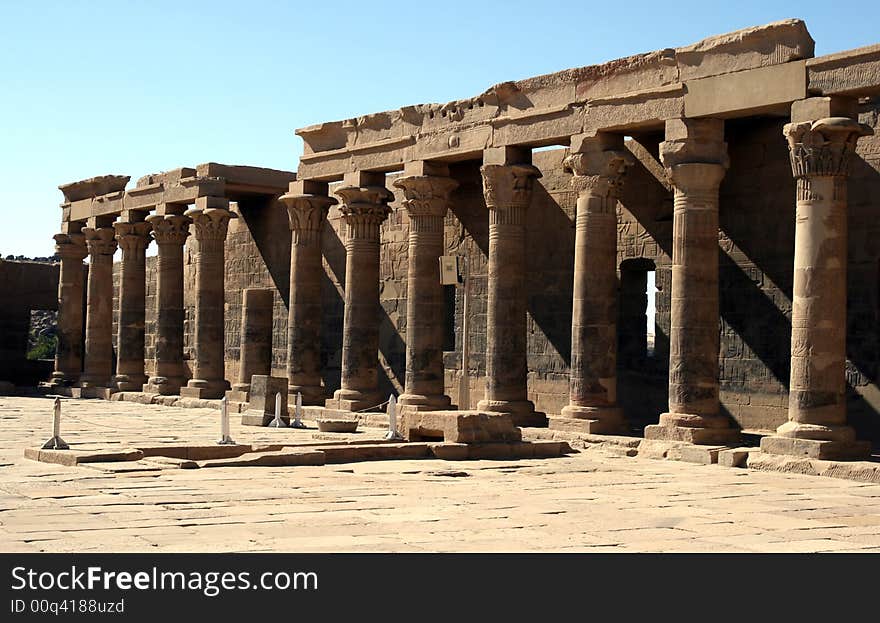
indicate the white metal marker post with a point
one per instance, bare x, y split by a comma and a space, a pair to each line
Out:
392, 434
56, 443
225, 439
277, 422
297, 412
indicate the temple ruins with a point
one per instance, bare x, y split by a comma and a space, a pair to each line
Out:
742, 171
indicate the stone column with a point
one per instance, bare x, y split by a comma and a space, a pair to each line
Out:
507, 187
364, 207
426, 188
71, 248
98, 365
255, 352
821, 151
170, 232
695, 157
598, 164
133, 238
211, 218
307, 204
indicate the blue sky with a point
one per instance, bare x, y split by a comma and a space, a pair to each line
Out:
90, 88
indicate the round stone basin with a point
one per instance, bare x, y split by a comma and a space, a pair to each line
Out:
337, 425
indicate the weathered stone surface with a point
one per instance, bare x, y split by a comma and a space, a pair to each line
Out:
263, 392
458, 426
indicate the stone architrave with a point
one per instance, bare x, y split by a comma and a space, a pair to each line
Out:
426, 188
599, 164
507, 188
71, 248
364, 207
256, 341
98, 363
307, 204
821, 151
210, 218
170, 232
133, 237
695, 157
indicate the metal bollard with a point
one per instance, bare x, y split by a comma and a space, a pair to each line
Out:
297, 413
225, 439
277, 422
56, 443
392, 434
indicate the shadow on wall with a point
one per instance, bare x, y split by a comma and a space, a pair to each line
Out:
333, 307
266, 219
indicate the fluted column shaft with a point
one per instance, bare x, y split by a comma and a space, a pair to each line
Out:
695, 157
593, 381
170, 232
211, 218
426, 200
821, 152
307, 214
507, 190
363, 210
133, 238
71, 248
98, 364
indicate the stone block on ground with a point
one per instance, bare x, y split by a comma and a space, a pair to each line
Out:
261, 409
815, 448
458, 426
734, 457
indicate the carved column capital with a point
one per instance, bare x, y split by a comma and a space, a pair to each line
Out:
306, 215
426, 195
132, 237
169, 228
600, 172
211, 224
70, 246
100, 240
363, 209
823, 148
508, 186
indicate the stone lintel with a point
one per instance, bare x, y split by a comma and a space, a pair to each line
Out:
753, 91
853, 72
239, 175
94, 187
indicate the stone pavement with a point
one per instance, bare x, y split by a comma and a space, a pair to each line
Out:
590, 501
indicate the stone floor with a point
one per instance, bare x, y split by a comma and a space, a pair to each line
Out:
588, 502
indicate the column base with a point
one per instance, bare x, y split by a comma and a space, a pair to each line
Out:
164, 385
695, 429
93, 391
204, 390
62, 379
414, 403
312, 395
129, 382
521, 411
816, 441
353, 400
590, 420
816, 448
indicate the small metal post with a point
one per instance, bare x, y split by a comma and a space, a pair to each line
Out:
277, 422
392, 434
297, 412
225, 439
56, 443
